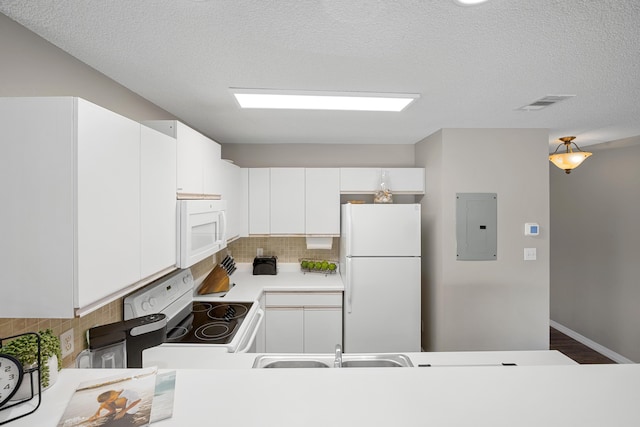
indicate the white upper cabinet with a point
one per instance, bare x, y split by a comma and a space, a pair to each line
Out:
259, 201
322, 201
233, 193
294, 201
157, 201
367, 180
198, 159
108, 202
287, 201
212, 168
72, 234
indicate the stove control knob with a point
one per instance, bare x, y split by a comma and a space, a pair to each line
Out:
185, 279
152, 302
145, 305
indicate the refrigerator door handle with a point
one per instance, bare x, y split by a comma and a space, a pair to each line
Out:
348, 287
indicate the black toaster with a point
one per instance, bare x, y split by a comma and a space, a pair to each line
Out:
265, 265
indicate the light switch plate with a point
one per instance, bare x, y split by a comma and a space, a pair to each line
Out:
530, 254
66, 343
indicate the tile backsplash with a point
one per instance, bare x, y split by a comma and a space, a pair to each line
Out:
109, 313
287, 249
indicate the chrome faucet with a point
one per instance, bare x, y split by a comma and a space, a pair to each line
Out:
338, 360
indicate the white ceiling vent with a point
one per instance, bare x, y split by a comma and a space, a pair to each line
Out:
544, 102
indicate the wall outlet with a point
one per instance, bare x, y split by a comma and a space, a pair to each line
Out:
66, 343
530, 254
259, 252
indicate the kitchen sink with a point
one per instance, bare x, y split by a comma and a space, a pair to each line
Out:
296, 364
328, 361
375, 361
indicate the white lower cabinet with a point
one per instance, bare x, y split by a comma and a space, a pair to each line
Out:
303, 322
322, 329
285, 330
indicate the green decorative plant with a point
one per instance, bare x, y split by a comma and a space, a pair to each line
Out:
25, 349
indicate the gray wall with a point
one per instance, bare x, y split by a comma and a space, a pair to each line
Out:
319, 155
486, 305
595, 251
31, 66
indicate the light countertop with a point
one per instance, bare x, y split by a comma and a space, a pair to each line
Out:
289, 278
584, 395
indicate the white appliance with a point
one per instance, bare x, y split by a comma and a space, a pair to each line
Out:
202, 231
230, 326
380, 267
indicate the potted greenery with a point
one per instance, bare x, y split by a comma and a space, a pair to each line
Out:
25, 349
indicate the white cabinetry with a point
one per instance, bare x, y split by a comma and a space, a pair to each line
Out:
294, 201
198, 159
287, 194
71, 233
259, 199
303, 322
322, 201
232, 192
157, 201
367, 180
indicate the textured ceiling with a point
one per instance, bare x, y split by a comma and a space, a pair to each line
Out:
473, 66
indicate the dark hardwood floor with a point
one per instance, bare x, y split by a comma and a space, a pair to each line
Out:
574, 349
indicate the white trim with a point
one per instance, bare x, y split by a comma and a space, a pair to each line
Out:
618, 358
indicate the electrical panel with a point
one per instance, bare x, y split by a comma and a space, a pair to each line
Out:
476, 226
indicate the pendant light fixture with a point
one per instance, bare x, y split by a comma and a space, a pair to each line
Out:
570, 159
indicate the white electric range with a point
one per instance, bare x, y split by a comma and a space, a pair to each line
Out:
191, 321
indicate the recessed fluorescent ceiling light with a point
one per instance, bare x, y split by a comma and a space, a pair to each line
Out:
469, 2
318, 100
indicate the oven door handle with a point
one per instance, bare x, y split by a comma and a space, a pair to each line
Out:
255, 332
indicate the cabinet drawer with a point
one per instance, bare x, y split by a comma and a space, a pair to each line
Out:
303, 299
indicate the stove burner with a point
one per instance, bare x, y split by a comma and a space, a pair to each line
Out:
227, 312
210, 322
200, 307
213, 331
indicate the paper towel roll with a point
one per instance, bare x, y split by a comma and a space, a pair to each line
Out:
319, 242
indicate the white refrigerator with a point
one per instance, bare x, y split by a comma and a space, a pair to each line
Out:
380, 269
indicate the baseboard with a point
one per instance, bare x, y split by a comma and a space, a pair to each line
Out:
618, 358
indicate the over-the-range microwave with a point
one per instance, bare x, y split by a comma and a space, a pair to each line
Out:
201, 230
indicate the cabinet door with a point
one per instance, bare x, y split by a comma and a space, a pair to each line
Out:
259, 189
322, 201
211, 167
37, 219
190, 149
406, 180
322, 329
232, 192
287, 201
284, 330
157, 201
243, 228
359, 180
108, 187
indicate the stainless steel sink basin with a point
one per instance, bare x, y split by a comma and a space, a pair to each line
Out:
296, 364
375, 361
327, 361
293, 361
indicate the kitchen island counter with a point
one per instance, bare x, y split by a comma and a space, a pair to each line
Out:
585, 395
289, 279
